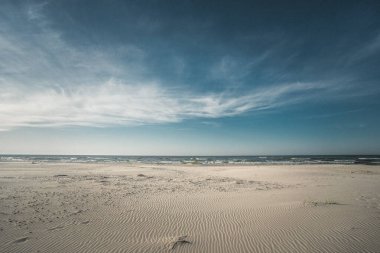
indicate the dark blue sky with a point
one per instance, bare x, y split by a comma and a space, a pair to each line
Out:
190, 77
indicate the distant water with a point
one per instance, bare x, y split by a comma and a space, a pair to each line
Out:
205, 160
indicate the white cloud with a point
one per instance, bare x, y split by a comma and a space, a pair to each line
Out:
46, 82
233, 69
117, 103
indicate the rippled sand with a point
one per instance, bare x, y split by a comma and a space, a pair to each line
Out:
156, 208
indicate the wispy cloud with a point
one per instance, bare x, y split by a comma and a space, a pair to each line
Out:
45, 81
233, 70
33, 53
368, 49
117, 103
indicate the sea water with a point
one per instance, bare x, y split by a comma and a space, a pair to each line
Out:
202, 160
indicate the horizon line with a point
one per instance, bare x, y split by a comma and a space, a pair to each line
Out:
260, 155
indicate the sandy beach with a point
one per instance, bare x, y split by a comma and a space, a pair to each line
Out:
121, 207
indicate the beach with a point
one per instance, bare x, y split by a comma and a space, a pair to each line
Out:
135, 207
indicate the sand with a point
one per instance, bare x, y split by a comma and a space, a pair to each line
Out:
119, 207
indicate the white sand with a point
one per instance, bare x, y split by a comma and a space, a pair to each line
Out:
156, 208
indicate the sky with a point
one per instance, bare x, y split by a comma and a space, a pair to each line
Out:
189, 77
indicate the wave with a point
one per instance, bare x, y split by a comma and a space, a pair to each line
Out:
197, 160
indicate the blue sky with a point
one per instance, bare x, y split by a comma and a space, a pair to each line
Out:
189, 77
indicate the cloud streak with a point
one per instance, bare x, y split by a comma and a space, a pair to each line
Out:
47, 82
116, 103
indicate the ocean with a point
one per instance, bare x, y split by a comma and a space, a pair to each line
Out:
201, 160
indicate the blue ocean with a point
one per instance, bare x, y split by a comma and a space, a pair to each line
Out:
201, 160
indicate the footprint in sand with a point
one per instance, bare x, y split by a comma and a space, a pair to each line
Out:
20, 240
56, 228
179, 240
